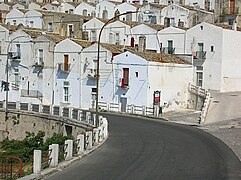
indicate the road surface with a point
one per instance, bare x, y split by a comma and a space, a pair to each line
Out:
148, 149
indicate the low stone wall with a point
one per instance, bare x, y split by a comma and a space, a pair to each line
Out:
19, 122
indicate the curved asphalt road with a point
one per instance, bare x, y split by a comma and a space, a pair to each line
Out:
146, 149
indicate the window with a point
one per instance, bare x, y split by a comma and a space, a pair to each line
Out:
18, 51
84, 12
125, 79
212, 48
50, 26
70, 30
66, 91
137, 74
201, 27
16, 79
199, 78
71, 11
14, 22
31, 24
93, 35
231, 6
40, 56
170, 47
111, 38
66, 62
117, 38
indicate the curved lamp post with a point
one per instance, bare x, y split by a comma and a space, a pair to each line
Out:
7, 75
98, 63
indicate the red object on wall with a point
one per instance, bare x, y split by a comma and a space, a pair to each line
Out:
157, 99
122, 83
132, 42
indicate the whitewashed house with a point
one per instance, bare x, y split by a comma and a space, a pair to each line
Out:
15, 17
34, 6
24, 82
172, 40
6, 6
118, 33
144, 37
18, 6
44, 63
139, 74
85, 9
105, 9
50, 7
91, 29
89, 70
67, 72
34, 19
151, 13
126, 7
67, 7
218, 56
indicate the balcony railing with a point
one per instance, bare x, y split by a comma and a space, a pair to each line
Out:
15, 55
229, 10
200, 55
64, 67
168, 50
31, 93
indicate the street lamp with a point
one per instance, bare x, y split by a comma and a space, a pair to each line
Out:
98, 63
7, 75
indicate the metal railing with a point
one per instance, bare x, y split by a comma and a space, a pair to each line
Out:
200, 55
10, 167
168, 50
31, 93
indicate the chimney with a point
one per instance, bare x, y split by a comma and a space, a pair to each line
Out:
180, 24
234, 26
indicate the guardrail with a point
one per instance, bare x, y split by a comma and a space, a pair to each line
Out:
74, 114
203, 93
83, 143
131, 109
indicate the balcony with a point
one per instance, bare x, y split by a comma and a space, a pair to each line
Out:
39, 65
64, 67
15, 56
92, 74
31, 94
199, 55
168, 50
229, 10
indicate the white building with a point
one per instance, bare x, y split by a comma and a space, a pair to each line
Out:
172, 40
89, 70
217, 50
127, 7
85, 9
67, 72
138, 75
67, 7
145, 37
105, 9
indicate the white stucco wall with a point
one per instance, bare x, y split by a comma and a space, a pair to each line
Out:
210, 36
231, 61
73, 76
177, 12
15, 15
121, 28
149, 33
106, 85
35, 17
178, 36
137, 92
126, 7
84, 6
94, 25
33, 6
172, 80
65, 7
105, 5
4, 6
